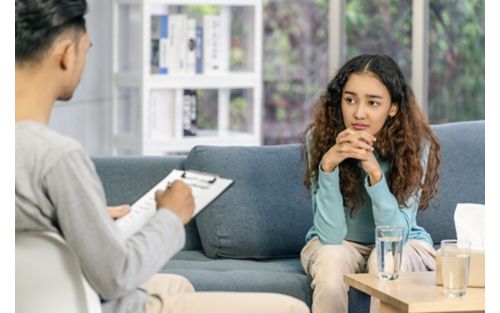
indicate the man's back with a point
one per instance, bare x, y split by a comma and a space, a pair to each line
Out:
57, 189
38, 149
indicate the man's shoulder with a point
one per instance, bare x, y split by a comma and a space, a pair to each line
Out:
38, 143
36, 135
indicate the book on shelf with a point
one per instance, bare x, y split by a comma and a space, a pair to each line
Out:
161, 112
155, 44
155, 56
199, 49
224, 42
191, 46
173, 43
181, 45
189, 112
194, 112
211, 44
159, 44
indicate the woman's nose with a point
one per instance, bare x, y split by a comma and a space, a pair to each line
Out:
360, 111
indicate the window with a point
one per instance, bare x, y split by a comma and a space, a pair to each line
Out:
296, 56
295, 65
380, 27
456, 60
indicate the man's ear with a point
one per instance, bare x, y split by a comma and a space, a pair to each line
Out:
394, 109
65, 54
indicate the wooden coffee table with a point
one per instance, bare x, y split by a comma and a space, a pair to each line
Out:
415, 292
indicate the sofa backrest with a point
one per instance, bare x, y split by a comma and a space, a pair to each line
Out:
126, 179
265, 213
462, 176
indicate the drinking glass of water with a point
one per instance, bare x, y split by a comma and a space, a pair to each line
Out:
389, 245
455, 259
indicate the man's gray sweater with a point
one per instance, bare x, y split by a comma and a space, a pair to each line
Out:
57, 189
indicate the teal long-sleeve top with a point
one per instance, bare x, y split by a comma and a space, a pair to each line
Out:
333, 223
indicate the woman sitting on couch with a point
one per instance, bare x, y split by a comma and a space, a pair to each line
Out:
372, 161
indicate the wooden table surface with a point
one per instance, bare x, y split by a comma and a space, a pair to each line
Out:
415, 292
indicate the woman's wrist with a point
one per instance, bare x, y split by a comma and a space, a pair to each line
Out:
327, 166
374, 177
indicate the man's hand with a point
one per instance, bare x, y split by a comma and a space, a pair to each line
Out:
178, 198
118, 211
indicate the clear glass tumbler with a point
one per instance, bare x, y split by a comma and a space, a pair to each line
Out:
455, 260
389, 245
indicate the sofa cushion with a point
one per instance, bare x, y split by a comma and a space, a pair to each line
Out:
278, 275
284, 276
265, 213
462, 176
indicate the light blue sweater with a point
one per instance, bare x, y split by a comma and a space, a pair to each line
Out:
333, 223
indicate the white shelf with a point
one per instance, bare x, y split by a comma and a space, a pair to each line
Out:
161, 147
187, 143
191, 2
150, 106
204, 81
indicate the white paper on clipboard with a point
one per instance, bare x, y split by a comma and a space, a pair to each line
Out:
205, 187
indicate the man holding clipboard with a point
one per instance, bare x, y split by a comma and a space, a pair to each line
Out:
57, 187
204, 187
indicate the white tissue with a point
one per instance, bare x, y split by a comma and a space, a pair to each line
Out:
469, 224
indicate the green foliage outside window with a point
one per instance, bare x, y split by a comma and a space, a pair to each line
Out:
295, 65
296, 56
380, 27
456, 59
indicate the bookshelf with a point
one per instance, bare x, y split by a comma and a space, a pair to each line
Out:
185, 73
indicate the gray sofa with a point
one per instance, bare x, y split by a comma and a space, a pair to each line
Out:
249, 239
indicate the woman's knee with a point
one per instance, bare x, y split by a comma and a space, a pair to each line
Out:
329, 267
338, 259
338, 253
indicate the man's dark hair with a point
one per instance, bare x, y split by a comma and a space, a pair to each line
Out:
40, 22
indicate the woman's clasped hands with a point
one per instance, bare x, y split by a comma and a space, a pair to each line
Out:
355, 144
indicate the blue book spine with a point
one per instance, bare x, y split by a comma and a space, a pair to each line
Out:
163, 44
199, 50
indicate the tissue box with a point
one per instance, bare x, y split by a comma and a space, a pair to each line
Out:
476, 269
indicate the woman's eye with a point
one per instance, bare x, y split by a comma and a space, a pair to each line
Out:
373, 103
349, 100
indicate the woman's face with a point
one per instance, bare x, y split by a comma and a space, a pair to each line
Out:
366, 103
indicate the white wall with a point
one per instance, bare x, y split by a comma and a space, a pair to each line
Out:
86, 116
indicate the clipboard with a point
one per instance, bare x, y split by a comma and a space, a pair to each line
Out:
206, 187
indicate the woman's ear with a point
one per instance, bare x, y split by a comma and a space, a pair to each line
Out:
394, 109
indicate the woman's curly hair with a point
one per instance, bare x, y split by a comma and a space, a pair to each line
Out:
400, 141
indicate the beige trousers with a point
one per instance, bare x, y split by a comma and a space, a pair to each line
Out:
327, 264
175, 294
